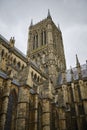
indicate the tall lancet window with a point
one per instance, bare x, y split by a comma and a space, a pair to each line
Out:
2, 53
36, 40
44, 37
11, 111
33, 42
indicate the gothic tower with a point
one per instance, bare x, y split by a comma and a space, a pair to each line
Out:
45, 47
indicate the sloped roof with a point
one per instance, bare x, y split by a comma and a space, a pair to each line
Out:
4, 75
75, 74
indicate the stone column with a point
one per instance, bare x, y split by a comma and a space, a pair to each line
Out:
22, 113
83, 90
65, 95
77, 116
36, 111
62, 119
75, 98
46, 114
5, 96
85, 108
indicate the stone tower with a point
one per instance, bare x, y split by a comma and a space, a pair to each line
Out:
45, 47
29, 97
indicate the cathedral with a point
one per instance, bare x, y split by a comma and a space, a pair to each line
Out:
37, 92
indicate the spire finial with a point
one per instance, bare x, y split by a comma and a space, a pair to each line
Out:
58, 26
71, 71
48, 15
86, 61
31, 23
78, 67
77, 61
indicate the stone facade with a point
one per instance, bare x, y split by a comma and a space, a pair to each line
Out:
36, 90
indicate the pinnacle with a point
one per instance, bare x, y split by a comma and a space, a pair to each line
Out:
49, 15
31, 22
77, 61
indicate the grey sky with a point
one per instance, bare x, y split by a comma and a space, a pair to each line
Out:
71, 15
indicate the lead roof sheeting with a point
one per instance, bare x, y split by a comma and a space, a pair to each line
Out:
2, 74
75, 73
15, 82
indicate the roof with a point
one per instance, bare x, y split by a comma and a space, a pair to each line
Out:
4, 75
16, 51
75, 74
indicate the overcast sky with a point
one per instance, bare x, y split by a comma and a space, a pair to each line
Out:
71, 15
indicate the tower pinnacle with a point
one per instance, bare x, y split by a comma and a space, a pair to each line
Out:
72, 74
78, 67
31, 24
77, 61
49, 15
58, 26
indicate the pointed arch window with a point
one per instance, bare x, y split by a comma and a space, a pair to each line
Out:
44, 37
35, 77
2, 53
22, 67
54, 118
11, 111
36, 40
38, 79
18, 65
33, 42
14, 61
41, 38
